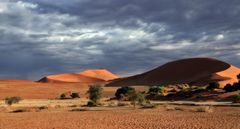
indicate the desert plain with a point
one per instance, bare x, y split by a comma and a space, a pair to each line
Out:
189, 105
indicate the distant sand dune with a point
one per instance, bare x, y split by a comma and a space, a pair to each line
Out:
88, 76
195, 71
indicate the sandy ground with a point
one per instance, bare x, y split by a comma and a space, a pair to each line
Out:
34, 90
58, 114
124, 118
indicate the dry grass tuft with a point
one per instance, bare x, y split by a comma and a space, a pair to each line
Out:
80, 109
123, 104
148, 106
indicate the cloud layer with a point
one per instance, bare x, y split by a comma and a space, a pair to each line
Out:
124, 36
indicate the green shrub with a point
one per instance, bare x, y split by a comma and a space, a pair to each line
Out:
123, 92
237, 99
91, 103
95, 93
137, 98
12, 100
75, 95
213, 85
154, 90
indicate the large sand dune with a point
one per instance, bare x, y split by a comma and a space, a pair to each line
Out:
88, 76
195, 71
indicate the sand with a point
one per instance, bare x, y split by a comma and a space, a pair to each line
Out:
36, 90
158, 118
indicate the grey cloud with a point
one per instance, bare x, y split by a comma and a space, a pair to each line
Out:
124, 36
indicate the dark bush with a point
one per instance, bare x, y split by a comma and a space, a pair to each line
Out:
75, 95
231, 88
228, 88
154, 90
63, 96
12, 100
123, 92
91, 103
234, 87
213, 85
238, 76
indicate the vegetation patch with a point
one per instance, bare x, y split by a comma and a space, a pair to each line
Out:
213, 85
237, 99
95, 94
69, 95
155, 90
234, 87
75, 95
12, 100
124, 92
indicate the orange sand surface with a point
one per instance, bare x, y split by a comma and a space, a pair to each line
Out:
37, 90
221, 118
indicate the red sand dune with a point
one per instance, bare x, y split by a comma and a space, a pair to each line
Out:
88, 76
195, 71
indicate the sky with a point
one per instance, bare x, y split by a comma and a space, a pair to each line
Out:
42, 37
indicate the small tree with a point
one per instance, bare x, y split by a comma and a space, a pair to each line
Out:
95, 93
12, 100
213, 85
137, 98
123, 92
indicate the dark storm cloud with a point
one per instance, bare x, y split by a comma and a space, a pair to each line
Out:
125, 36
